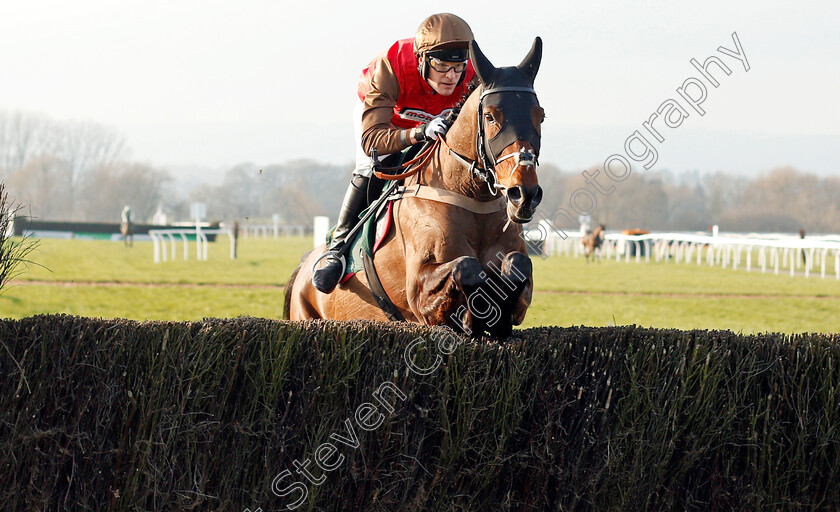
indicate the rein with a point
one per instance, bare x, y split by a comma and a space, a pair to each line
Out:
424, 155
475, 171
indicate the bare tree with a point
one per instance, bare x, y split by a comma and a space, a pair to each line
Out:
723, 192
22, 138
34, 149
82, 146
687, 208
107, 188
783, 199
296, 190
40, 184
297, 206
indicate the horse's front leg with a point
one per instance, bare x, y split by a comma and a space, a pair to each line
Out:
461, 294
502, 294
512, 282
451, 294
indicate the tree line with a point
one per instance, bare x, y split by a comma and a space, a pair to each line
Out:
783, 199
73, 170
81, 172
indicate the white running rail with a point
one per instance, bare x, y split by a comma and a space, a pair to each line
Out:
162, 237
771, 251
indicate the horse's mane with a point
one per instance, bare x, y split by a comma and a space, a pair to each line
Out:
471, 88
464, 114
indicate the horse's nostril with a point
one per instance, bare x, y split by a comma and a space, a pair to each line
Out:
537, 197
515, 195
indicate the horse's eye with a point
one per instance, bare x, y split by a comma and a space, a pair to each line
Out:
489, 118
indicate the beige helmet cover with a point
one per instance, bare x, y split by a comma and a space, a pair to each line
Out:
440, 31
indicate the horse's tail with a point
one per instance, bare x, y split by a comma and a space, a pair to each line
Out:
287, 293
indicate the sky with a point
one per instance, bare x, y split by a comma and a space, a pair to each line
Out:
214, 84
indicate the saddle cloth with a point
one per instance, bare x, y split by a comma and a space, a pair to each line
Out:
368, 240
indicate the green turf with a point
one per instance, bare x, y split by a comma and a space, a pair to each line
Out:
259, 261
175, 303
742, 315
568, 273
568, 290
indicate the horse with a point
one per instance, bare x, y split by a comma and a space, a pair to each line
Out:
592, 242
456, 255
127, 228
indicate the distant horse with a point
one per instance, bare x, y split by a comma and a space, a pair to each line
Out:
127, 228
592, 242
456, 255
802, 236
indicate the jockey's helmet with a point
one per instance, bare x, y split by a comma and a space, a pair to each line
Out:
443, 36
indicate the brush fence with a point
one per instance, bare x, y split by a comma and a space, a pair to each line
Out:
228, 415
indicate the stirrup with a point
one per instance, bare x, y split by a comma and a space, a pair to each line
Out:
339, 256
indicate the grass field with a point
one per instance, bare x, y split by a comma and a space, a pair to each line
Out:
104, 279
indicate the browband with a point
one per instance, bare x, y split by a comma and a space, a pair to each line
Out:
507, 89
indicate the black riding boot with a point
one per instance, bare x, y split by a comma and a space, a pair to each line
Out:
327, 277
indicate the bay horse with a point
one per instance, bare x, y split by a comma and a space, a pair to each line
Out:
593, 241
456, 255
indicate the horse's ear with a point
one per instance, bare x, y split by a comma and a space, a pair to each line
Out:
531, 63
483, 67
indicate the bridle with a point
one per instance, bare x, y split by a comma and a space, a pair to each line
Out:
525, 157
489, 149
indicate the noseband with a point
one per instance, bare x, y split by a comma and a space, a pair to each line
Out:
488, 149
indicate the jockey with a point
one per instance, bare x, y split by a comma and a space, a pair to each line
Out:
404, 93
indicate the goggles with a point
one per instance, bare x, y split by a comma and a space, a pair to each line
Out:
442, 66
